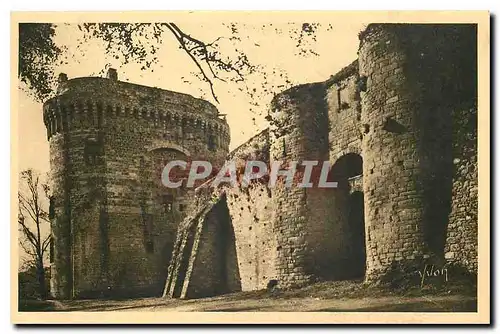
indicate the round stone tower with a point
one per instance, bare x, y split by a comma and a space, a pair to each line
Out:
113, 222
406, 143
304, 232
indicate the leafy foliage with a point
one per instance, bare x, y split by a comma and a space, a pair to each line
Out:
29, 285
37, 56
139, 43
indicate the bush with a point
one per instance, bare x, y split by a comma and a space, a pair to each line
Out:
28, 284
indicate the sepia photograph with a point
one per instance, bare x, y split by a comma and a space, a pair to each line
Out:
250, 167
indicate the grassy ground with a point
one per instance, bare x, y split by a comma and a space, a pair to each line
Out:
340, 296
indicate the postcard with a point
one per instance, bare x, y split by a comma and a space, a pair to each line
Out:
250, 167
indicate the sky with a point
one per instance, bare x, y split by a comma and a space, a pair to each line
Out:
270, 46
273, 47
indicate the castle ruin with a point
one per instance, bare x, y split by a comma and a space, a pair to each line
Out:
113, 221
398, 126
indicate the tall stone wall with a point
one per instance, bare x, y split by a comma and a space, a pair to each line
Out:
344, 112
401, 141
228, 243
186, 244
307, 236
251, 210
402, 145
462, 230
60, 223
393, 181
116, 137
407, 114
345, 134
461, 241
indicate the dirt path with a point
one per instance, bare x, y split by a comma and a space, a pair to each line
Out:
453, 303
335, 296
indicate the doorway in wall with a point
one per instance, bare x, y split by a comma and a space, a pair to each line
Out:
348, 172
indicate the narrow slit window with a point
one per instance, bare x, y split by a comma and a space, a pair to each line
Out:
339, 99
168, 202
211, 142
149, 234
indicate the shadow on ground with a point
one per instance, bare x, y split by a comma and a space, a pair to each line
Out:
343, 296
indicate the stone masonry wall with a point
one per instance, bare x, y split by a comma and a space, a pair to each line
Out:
405, 162
119, 136
407, 114
186, 243
251, 210
308, 246
60, 280
401, 141
250, 246
393, 180
345, 134
344, 112
461, 241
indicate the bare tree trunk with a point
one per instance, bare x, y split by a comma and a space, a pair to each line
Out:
40, 276
31, 212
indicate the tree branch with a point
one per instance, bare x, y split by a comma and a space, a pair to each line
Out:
30, 207
46, 243
179, 37
27, 206
28, 233
205, 55
26, 248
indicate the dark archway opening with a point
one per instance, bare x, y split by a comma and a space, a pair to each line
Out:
228, 279
212, 264
348, 166
348, 172
356, 222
